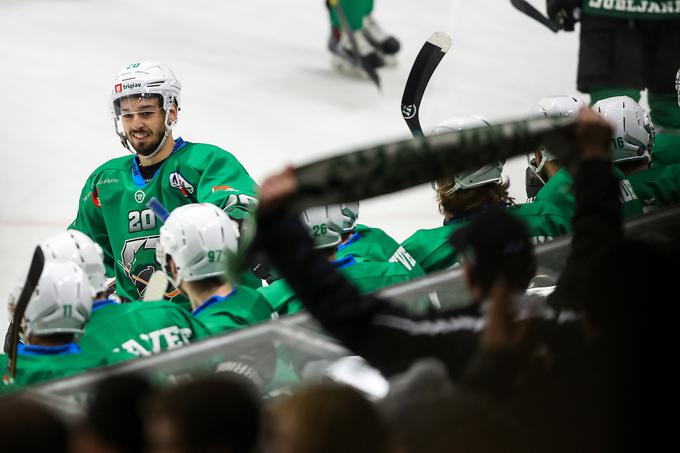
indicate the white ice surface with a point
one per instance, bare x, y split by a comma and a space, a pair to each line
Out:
257, 82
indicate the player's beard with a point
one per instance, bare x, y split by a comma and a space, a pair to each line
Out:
148, 145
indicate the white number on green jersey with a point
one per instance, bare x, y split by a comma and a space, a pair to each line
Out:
141, 220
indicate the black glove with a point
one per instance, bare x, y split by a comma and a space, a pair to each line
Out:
564, 12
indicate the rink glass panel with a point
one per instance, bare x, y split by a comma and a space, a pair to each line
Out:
308, 353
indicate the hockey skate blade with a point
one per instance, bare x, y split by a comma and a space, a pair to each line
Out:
155, 290
347, 68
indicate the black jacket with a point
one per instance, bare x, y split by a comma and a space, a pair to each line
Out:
388, 337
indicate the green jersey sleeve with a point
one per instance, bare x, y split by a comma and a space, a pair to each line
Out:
281, 298
370, 276
658, 186
242, 307
373, 244
666, 150
90, 221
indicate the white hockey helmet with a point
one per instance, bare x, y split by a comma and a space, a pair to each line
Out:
146, 78
487, 174
324, 224
633, 136
552, 107
198, 238
72, 245
61, 303
350, 214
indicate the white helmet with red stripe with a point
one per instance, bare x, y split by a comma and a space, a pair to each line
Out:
145, 79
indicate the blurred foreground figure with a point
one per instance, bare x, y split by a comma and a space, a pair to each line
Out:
211, 414
27, 426
327, 418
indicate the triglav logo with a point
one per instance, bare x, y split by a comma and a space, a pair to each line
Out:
118, 87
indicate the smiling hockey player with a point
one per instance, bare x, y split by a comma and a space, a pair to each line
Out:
145, 101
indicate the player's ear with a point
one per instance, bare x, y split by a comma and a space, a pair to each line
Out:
172, 114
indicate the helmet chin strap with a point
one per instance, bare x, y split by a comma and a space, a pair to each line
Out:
126, 143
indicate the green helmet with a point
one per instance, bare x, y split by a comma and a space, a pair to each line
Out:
324, 224
487, 174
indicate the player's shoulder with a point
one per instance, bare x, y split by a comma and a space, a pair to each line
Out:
193, 151
117, 164
432, 236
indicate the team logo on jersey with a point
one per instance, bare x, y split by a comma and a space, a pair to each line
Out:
408, 111
138, 260
179, 182
139, 196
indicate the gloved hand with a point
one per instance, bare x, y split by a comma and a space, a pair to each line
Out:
564, 12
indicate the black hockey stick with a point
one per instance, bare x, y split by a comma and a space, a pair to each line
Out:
398, 165
12, 336
529, 10
344, 24
423, 67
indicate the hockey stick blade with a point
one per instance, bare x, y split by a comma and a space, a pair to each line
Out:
529, 10
155, 290
423, 67
344, 24
12, 336
398, 165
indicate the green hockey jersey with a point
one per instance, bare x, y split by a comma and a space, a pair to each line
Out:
633, 9
140, 328
373, 244
557, 191
666, 150
367, 276
242, 307
432, 250
37, 364
658, 186
113, 211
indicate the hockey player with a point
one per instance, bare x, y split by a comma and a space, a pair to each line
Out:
466, 195
366, 243
139, 328
325, 227
626, 47
632, 151
56, 314
554, 183
374, 45
193, 250
145, 101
